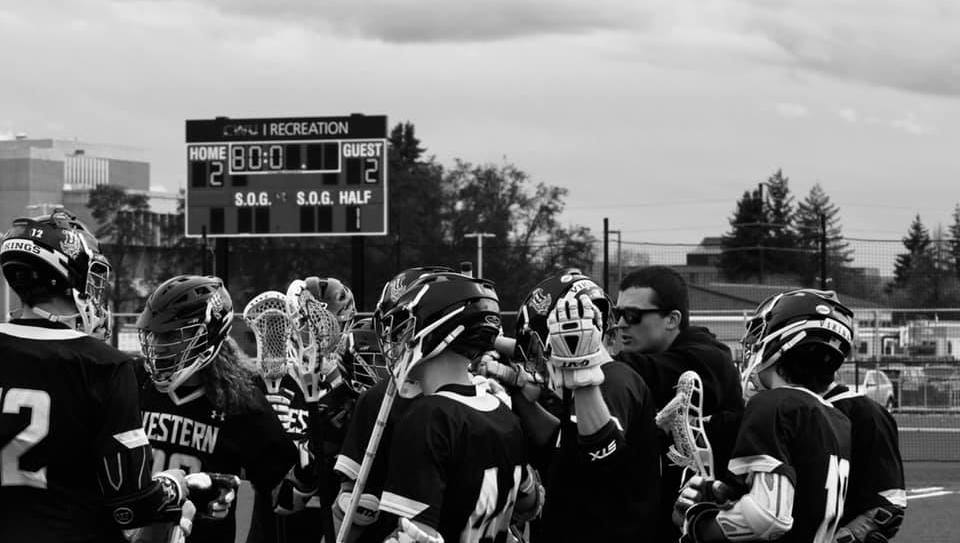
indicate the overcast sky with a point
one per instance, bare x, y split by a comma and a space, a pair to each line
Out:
657, 114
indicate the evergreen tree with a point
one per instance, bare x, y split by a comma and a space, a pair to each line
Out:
742, 257
917, 243
954, 245
839, 253
782, 241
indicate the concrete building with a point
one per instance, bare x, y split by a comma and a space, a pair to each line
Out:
39, 174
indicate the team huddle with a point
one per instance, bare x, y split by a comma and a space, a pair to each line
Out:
588, 420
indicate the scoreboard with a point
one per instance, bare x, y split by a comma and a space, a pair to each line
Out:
303, 176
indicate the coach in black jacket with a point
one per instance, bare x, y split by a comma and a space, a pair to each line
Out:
658, 342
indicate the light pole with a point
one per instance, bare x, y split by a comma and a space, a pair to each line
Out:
479, 236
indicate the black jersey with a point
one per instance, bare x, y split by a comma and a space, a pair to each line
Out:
69, 415
355, 445
197, 436
606, 487
457, 462
794, 432
876, 468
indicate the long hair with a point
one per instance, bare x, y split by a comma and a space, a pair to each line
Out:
230, 381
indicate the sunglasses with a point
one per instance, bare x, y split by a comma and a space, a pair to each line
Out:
633, 315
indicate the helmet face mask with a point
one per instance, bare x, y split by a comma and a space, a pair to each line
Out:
170, 352
369, 365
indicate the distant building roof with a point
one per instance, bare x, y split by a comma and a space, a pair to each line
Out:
709, 245
737, 296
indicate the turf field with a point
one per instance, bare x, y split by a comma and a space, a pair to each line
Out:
933, 503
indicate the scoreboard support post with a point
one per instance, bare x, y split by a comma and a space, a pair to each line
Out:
357, 270
222, 261
204, 263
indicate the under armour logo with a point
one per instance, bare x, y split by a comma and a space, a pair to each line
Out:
216, 414
604, 452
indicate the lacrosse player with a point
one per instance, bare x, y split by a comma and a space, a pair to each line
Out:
602, 471
792, 451
204, 411
457, 467
368, 370
876, 498
71, 435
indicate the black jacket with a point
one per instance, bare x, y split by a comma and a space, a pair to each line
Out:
695, 348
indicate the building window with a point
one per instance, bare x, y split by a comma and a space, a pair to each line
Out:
85, 172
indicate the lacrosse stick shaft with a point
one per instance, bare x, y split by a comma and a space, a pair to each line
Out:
367, 463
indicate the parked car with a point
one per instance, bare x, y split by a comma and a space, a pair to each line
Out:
873, 384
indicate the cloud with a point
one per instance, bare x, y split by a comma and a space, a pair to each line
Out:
416, 21
791, 111
913, 45
848, 114
910, 124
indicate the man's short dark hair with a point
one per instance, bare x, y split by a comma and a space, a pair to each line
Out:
669, 289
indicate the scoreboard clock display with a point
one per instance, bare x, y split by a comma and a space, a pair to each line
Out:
303, 176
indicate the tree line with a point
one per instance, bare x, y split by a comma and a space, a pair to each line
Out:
775, 240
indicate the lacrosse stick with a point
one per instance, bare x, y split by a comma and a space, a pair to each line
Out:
367, 464
271, 318
316, 337
683, 418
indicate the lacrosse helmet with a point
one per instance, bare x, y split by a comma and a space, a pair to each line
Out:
397, 285
271, 317
366, 365
530, 330
182, 329
56, 255
436, 312
804, 322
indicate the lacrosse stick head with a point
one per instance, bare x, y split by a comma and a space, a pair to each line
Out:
317, 331
270, 317
683, 416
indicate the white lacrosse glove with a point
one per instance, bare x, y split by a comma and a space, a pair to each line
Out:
411, 533
368, 509
576, 344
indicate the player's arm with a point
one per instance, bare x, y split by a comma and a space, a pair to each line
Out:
267, 454
132, 495
764, 513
